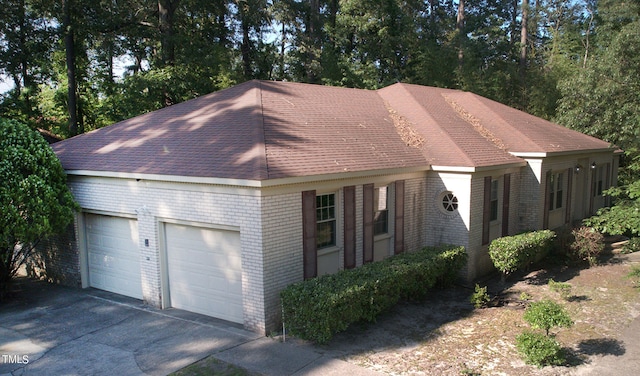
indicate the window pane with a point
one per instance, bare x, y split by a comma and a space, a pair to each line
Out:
551, 196
381, 223
494, 210
559, 199
326, 236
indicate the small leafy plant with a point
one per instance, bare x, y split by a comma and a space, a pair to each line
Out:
635, 274
540, 350
525, 297
480, 297
562, 288
547, 314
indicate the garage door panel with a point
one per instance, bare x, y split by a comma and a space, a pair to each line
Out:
205, 270
113, 254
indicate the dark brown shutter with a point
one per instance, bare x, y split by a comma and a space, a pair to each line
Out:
506, 195
309, 251
608, 179
592, 193
567, 215
349, 227
486, 210
398, 245
367, 217
547, 192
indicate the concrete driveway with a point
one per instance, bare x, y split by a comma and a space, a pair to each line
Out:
55, 330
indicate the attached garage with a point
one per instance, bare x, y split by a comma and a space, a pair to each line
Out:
204, 270
113, 255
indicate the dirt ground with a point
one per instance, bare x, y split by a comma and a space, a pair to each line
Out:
445, 335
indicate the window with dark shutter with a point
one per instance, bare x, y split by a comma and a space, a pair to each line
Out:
398, 245
349, 227
486, 214
506, 195
309, 247
368, 223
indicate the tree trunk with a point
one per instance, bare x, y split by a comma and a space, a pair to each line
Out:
461, 36
523, 40
166, 12
245, 48
72, 97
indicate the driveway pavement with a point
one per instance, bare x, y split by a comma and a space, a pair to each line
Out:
55, 330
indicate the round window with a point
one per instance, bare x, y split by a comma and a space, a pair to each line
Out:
449, 202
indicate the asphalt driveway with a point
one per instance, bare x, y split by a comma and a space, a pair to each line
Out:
55, 330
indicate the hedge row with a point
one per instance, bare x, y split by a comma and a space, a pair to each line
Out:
319, 308
511, 253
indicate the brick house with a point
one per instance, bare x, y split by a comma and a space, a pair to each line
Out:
216, 204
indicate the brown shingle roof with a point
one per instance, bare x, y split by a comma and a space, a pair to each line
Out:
263, 130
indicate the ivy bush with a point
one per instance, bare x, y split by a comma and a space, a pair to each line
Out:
35, 201
511, 253
319, 308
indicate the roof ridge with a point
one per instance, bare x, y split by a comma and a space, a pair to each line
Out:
475, 122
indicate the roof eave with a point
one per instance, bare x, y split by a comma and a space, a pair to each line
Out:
249, 183
546, 154
472, 169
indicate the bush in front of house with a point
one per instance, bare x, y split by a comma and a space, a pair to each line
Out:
511, 253
587, 245
319, 308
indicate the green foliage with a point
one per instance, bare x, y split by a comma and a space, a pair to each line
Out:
318, 308
480, 297
633, 245
624, 216
588, 244
635, 275
34, 199
511, 253
547, 314
540, 350
563, 288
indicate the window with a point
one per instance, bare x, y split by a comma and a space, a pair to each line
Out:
326, 220
598, 181
381, 211
494, 201
556, 194
449, 202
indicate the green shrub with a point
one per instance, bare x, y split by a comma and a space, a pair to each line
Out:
588, 244
511, 253
480, 298
540, 350
563, 288
547, 314
319, 308
633, 245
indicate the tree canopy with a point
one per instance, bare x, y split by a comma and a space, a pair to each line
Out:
77, 65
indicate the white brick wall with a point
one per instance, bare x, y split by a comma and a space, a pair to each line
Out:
154, 202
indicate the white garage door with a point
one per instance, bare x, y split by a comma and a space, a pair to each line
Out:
205, 270
113, 254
